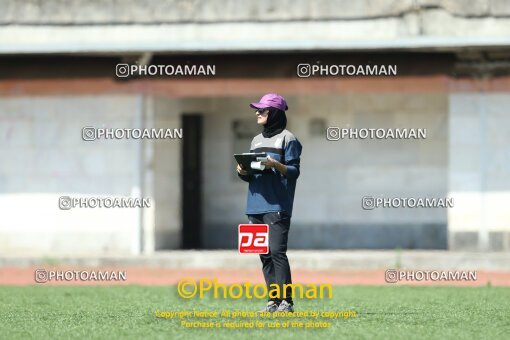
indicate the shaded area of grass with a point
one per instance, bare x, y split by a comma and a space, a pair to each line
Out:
396, 312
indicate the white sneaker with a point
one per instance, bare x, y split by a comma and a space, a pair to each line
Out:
285, 307
270, 307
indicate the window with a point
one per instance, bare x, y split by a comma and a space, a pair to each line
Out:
317, 127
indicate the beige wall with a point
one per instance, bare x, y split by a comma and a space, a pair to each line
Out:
43, 157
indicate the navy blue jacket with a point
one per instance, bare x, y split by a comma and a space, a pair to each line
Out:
269, 190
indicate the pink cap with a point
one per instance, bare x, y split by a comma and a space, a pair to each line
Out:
271, 100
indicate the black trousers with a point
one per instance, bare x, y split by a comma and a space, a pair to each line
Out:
275, 264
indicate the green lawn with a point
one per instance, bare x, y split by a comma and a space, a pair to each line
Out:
387, 312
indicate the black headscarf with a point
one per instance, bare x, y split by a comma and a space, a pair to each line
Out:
276, 123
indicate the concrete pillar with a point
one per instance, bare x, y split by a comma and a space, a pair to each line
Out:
479, 171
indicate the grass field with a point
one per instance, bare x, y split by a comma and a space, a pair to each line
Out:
128, 312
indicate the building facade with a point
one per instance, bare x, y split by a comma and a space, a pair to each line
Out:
58, 75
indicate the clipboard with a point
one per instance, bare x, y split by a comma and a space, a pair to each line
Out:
245, 159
